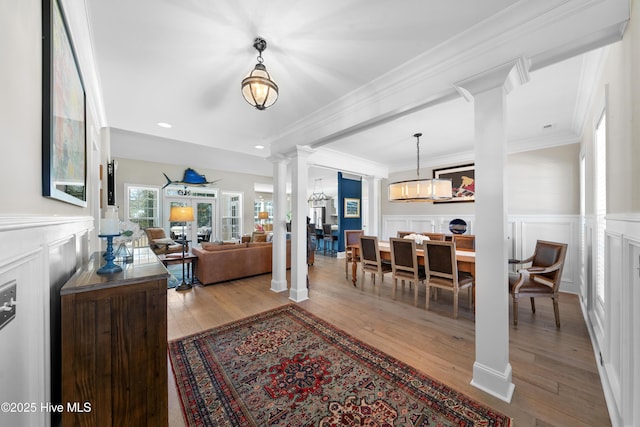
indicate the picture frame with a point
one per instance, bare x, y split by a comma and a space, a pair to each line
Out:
111, 183
64, 143
351, 208
462, 182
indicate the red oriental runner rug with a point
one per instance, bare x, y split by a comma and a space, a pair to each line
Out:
287, 367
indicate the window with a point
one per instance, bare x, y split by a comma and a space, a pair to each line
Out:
262, 206
601, 206
231, 215
142, 205
583, 230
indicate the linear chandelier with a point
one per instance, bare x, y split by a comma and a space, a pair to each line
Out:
315, 196
420, 190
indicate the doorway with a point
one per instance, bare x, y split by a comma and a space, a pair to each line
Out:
204, 227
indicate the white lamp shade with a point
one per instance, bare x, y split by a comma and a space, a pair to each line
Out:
420, 190
181, 214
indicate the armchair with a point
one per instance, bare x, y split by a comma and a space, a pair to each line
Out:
351, 241
542, 279
160, 243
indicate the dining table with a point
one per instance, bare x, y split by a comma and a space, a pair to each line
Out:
466, 259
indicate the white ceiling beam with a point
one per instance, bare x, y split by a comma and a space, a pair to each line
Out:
523, 30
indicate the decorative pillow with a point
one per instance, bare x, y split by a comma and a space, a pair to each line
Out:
259, 237
165, 241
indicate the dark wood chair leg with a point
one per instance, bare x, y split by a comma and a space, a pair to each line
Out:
515, 311
556, 312
533, 305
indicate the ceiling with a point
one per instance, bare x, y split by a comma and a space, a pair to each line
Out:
344, 69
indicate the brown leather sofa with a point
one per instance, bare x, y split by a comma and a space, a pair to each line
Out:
219, 263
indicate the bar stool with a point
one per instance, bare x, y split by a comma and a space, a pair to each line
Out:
319, 238
328, 239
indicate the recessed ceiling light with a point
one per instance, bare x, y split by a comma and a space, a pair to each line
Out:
260, 147
164, 125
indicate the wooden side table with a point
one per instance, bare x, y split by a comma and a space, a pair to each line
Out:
190, 260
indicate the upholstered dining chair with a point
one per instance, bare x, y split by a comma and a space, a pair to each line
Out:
351, 241
439, 237
442, 272
466, 242
404, 264
542, 279
160, 243
371, 261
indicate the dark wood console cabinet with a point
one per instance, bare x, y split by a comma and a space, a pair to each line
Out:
114, 345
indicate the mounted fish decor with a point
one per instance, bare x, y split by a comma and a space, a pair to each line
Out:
191, 179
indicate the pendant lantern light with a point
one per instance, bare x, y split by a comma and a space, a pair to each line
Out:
257, 88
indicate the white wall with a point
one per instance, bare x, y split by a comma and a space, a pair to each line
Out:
544, 182
149, 173
616, 336
541, 182
41, 240
21, 115
522, 232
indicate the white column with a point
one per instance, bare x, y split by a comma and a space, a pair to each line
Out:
373, 187
492, 370
279, 261
300, 208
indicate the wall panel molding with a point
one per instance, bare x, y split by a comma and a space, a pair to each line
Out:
26, 248
620, 342
521, 232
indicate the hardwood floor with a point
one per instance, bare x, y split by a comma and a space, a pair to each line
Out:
554, 371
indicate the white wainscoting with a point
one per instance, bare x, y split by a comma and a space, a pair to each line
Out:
26, 248
617, 340
522, 231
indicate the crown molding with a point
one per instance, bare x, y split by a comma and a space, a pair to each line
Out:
9, 223
541, 143
592, 66
151, 148
508, 75
526, 29
331, 159
78, 20
513, 147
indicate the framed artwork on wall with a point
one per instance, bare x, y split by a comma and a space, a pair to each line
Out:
351, 208
64, 148
111, 183
463, 182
